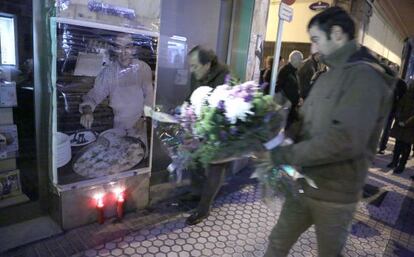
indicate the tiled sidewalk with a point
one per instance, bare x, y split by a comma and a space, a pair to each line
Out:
239, 225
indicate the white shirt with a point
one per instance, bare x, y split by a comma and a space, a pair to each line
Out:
129, 89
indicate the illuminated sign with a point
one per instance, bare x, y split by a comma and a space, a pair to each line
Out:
319, 6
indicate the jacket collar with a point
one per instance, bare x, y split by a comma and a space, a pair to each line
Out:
214, 71
289, 66
340, 57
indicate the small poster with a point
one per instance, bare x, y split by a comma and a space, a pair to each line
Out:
8, 96
10, 184
8, 141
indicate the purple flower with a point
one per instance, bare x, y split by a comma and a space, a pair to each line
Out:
233, 130
248, 98
223, 135
221, 106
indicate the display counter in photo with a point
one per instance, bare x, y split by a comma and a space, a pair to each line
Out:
105, 79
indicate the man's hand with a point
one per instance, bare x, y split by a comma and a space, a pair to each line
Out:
86, 117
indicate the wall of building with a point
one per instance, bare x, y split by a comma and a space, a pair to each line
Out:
296, 30
257, 37
381, 38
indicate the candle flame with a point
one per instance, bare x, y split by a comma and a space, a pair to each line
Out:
99, 200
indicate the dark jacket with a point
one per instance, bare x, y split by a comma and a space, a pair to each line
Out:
305, 74
215, 77
399, 91
405, 113
342, 119
265, 79
288, 84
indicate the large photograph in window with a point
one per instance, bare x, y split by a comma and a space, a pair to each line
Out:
104, 80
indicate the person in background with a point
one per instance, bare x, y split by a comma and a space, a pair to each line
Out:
206, 183
282, 63
403, 130
341, 122
288, 84
127, 82
266, 75
399, 92
308, 73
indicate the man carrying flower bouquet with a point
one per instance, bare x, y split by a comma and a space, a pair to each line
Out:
205, 70
341, 122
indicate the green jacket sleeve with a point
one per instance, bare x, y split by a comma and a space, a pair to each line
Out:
354, 119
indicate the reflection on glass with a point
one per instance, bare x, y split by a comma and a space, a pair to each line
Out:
7, 41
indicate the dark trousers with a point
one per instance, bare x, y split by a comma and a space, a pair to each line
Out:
401, 153
331, 220
207, 183
386, 132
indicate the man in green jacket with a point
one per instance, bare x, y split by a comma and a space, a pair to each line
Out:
341, 123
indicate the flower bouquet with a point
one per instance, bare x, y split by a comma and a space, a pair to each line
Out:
224, 124
230, 122
220, 125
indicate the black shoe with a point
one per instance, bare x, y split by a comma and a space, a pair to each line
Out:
412, 177
399, 170
196, 218
190, 197
381, 151
391, 165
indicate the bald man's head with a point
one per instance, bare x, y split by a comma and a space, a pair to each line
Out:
295, 58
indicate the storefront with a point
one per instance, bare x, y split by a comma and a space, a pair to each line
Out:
115, 159
82, 122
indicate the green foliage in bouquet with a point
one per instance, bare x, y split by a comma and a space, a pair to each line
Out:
224, 139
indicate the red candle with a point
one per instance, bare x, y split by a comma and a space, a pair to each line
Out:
120, 204
100, 209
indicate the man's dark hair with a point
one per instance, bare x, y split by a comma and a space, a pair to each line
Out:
204, 55
334, 16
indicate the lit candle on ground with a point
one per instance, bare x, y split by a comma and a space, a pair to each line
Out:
120, 202
100, 208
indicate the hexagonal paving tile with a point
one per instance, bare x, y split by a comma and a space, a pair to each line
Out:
153, 249
129, 250
116, 252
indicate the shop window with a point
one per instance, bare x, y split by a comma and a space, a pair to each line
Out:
8, 51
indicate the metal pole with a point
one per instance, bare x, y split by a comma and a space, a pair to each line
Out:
278, 46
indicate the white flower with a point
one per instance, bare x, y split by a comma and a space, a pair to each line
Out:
199, 98
237, 108
220, 93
